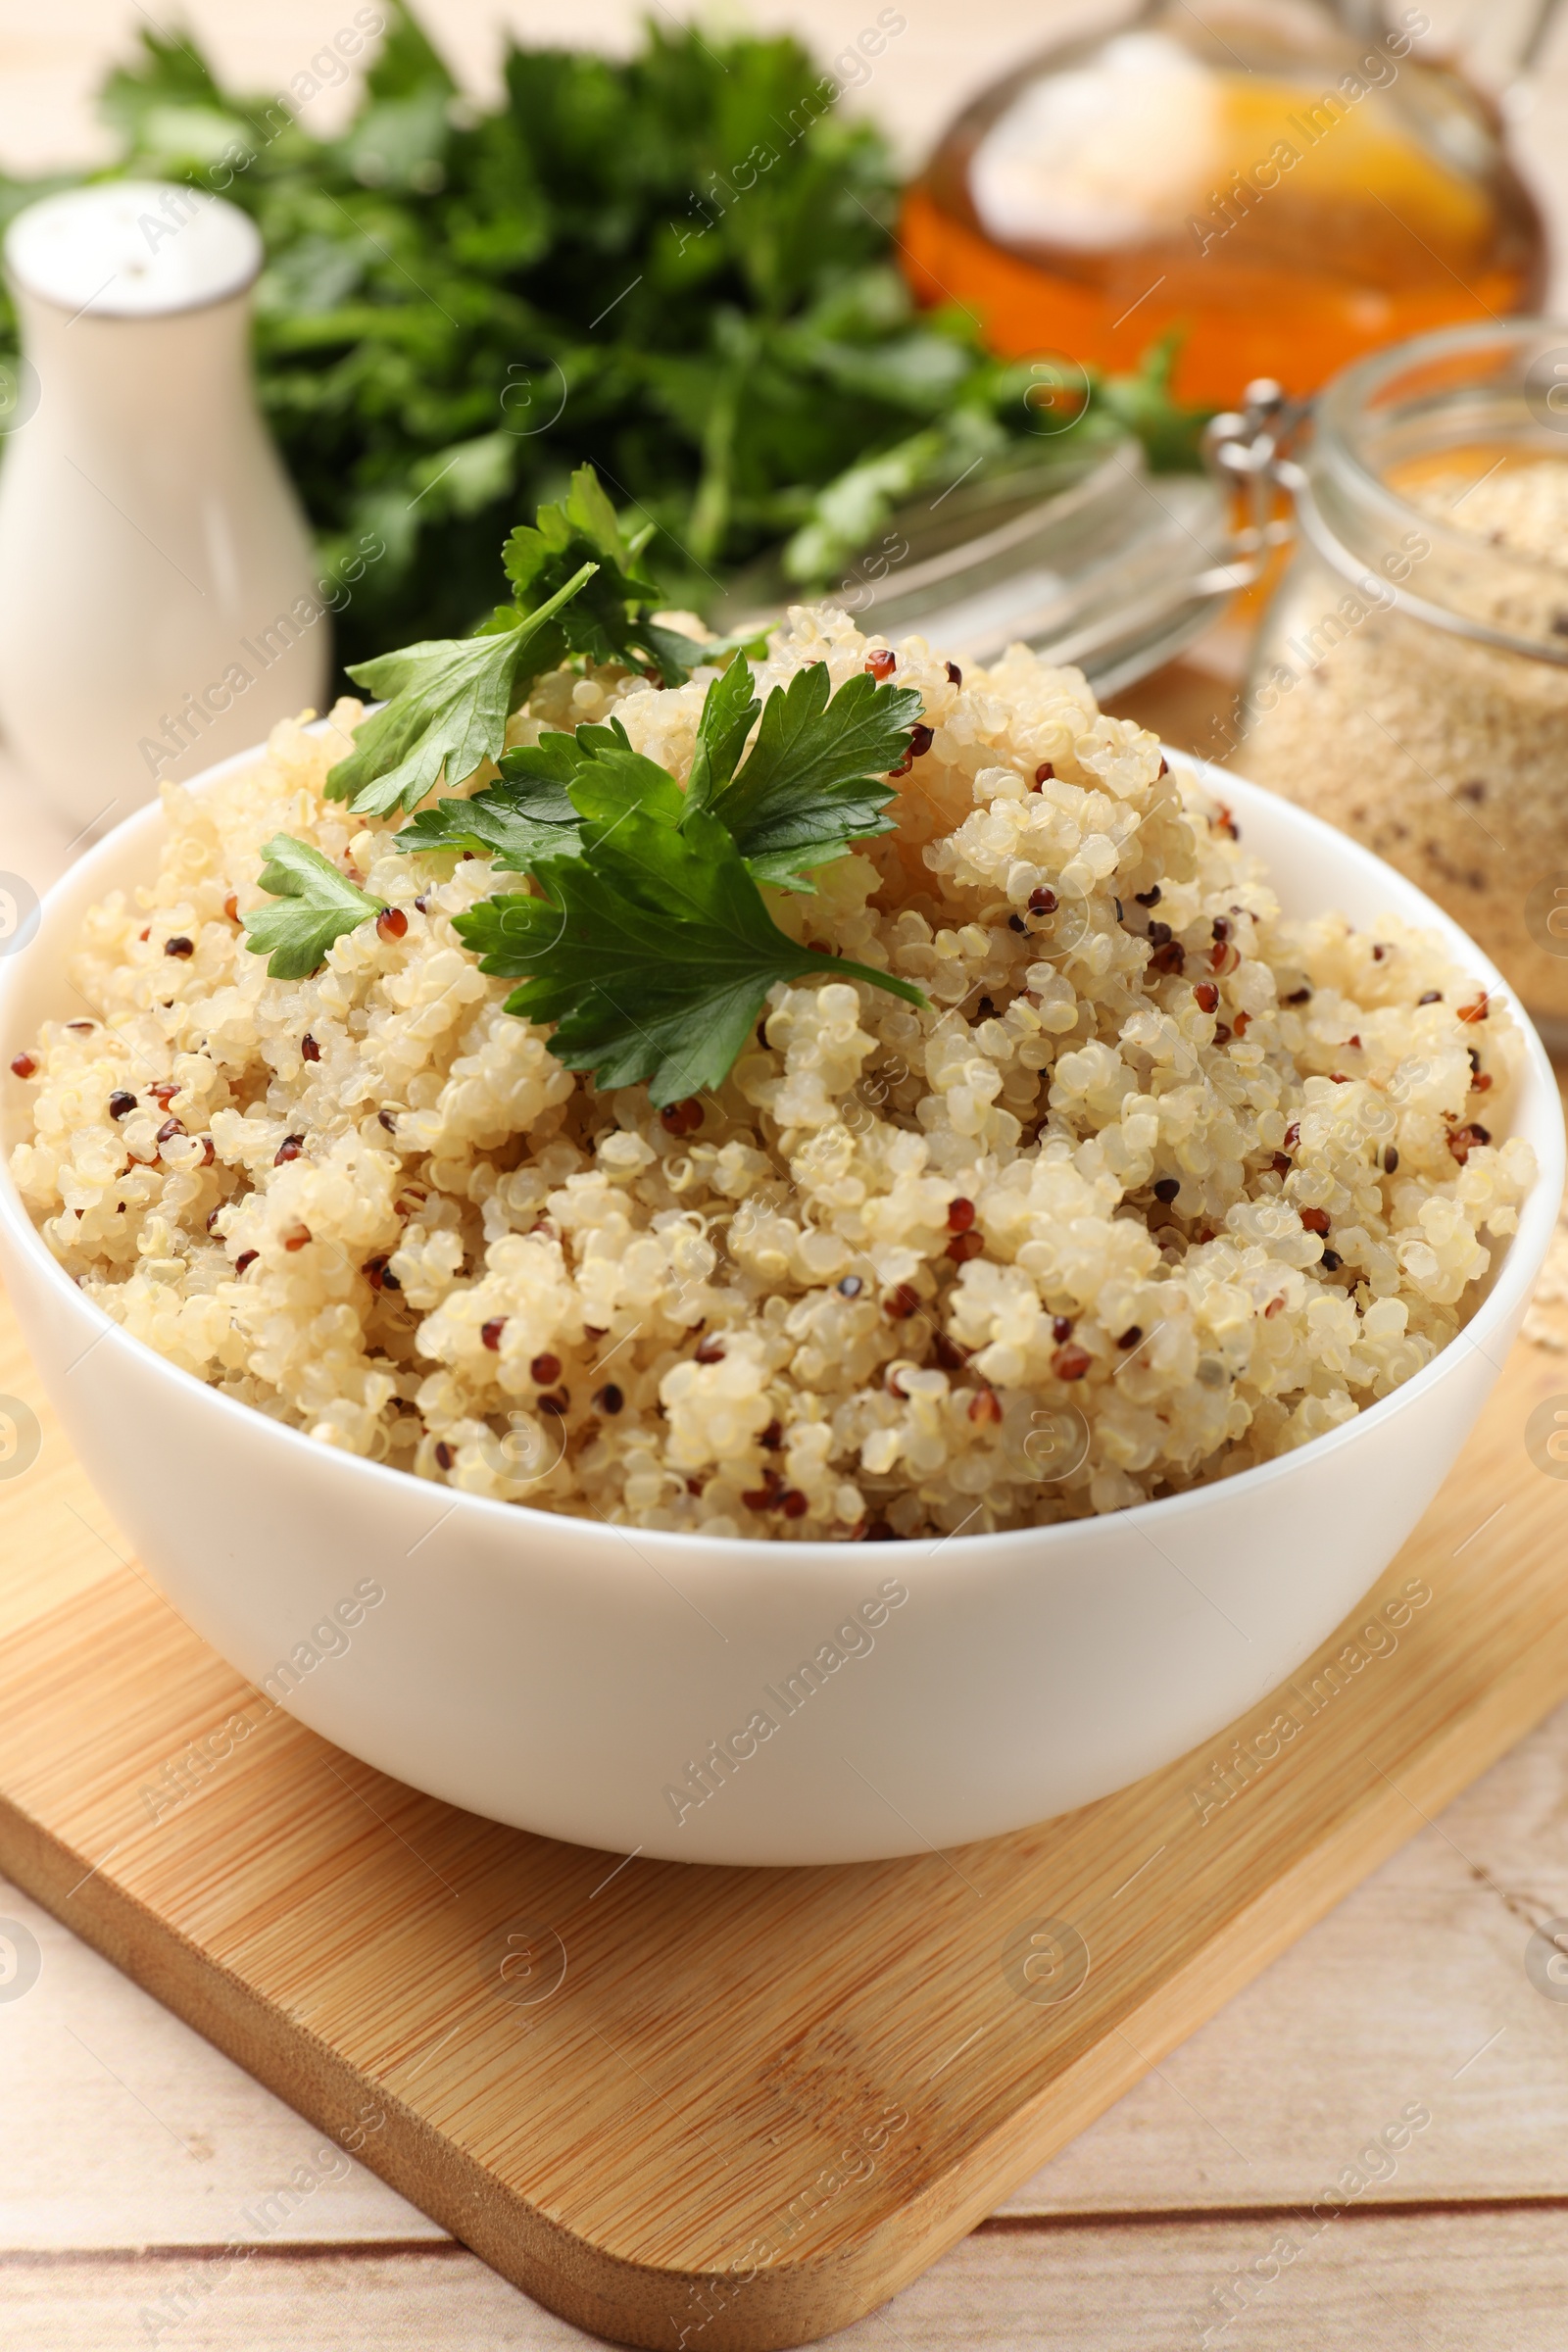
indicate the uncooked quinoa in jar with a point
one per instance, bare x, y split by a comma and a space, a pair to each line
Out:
1416, 695
1133, 1184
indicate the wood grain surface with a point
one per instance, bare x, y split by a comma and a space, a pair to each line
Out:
755, 2103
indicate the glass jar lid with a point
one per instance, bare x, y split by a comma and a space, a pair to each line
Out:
1099, 564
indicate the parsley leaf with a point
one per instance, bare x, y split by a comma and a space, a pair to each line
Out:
730, 709
515, 823
536, 810
653, 954
447, 707
316, 904
609, 622
817, 777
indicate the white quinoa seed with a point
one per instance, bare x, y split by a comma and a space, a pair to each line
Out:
479, 1269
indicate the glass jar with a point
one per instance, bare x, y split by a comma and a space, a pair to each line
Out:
1409, 681
1286, 189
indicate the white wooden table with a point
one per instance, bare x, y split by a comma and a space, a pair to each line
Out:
130, 2148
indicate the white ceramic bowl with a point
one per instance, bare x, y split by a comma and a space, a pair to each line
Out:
564, 1676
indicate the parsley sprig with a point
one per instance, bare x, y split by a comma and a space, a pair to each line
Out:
649, 944
446, 708
576, 588
817, 777
315, 904
652, 952
611, 620
815, 780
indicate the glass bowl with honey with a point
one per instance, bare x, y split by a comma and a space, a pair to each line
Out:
1285, 192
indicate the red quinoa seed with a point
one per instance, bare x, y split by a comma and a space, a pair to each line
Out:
1462, 1140
490, 1333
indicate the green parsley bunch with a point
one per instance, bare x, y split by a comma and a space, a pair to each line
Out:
677, 266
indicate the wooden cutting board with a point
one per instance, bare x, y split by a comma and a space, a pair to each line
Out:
723, 2108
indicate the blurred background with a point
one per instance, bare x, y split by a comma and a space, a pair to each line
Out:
926, 309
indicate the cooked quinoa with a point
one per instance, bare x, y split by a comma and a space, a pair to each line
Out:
1447, 757
1159, 1187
